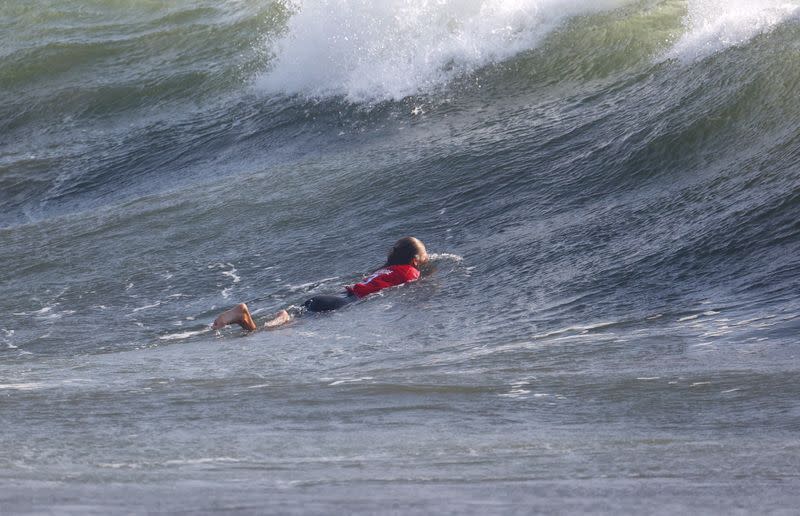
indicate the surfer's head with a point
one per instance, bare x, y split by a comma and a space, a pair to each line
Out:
408, 251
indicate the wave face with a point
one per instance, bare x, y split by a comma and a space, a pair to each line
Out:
610, 189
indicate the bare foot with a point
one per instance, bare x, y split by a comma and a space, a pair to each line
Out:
239, 314
280, 319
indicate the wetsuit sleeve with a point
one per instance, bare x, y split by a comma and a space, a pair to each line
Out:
382, 280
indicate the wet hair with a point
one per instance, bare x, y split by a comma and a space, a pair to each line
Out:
405, 250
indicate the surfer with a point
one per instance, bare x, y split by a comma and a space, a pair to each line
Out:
402, 266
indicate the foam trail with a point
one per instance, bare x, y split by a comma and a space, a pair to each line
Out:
371, 51
435, 257
714, 25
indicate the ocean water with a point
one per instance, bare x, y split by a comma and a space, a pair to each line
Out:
611, 190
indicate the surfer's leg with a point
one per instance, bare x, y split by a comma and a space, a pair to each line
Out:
327, 303
279, 319
239, 314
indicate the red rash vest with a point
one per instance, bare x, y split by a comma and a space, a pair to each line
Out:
385, 277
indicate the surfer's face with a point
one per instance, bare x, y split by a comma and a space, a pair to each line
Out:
422, 255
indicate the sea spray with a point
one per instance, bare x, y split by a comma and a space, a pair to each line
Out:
714, 25
372, 51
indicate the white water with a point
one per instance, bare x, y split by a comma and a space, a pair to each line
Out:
714, 25
371, 51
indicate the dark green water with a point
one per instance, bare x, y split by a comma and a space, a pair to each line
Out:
611, 190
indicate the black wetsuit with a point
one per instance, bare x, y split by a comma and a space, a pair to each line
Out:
326, 303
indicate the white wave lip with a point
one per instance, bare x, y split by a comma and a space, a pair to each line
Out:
370, 51
714, 25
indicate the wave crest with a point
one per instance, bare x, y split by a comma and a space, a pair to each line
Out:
714, 25
371, 51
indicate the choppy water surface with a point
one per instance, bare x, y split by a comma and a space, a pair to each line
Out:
611, 190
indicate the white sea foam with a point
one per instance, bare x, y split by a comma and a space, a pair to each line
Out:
350, 380
35, 386
714, 25
45, 313
371, 51
515, 392
36, 313
435, 257
29, 386
183, 335
699, 384
6, 339
582, 329
201, 460
171, 462
232, 273
146, 307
